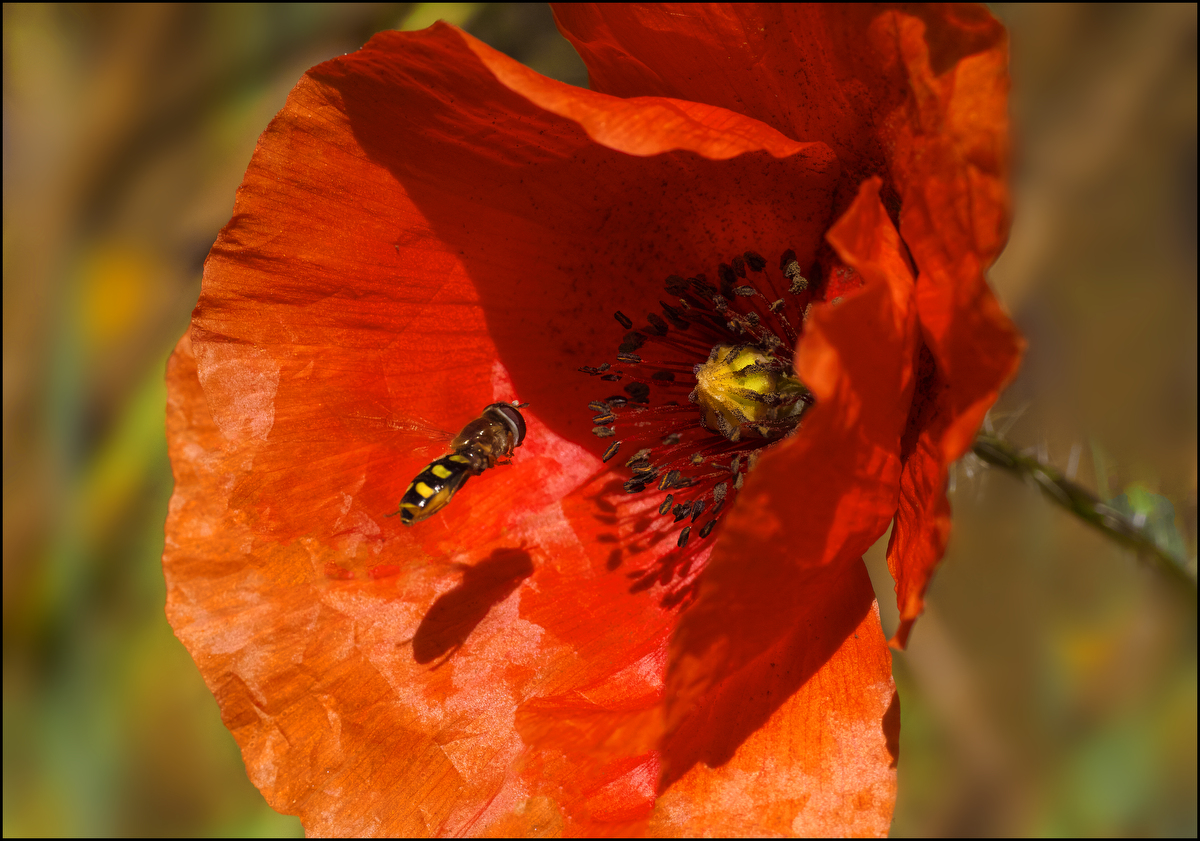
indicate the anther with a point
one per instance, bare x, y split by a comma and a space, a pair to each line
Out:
612, 378
755, 261
673, 316
632, 341
598, 406
791, 270
683, 536
666, 504
701, 285
623, 319
638, 392
617, 401
706, 530
638, 457
697, 509
727, 274
682, 511
611, 451
604, 419
660, 326
630, 358
632, 487
671, 480
603, 432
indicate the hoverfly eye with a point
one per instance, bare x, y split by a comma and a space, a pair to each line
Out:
513, 417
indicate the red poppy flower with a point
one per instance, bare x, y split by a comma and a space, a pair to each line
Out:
428, 228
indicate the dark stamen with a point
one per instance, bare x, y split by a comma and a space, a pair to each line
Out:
638, 392
673, 316
683, 536
623, 319
755, 261
666, 504
792, 272
632, 341
706, 530
603, 432
611, 451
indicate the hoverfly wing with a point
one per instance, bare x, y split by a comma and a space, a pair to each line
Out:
414, 433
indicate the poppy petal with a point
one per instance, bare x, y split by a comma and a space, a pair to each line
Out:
802, 68
320, 302
434, 670
951, 167
785, 587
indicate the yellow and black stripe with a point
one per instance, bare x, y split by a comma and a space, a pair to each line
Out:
433, 487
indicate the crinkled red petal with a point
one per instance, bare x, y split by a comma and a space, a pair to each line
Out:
424, 229
413, 232
950, 165
786, 589
919, 98
805, 69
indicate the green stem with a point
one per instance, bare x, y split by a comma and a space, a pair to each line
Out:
1083, 504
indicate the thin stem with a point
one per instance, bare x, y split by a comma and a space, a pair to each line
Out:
1083, 504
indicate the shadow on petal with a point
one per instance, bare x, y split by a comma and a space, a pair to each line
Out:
452, 618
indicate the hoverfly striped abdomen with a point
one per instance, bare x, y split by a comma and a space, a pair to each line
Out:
482, 443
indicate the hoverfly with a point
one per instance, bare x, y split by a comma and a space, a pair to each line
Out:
481, 444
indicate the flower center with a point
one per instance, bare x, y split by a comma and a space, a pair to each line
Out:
708, 385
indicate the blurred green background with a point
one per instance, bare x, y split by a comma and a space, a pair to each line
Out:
1050, 688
